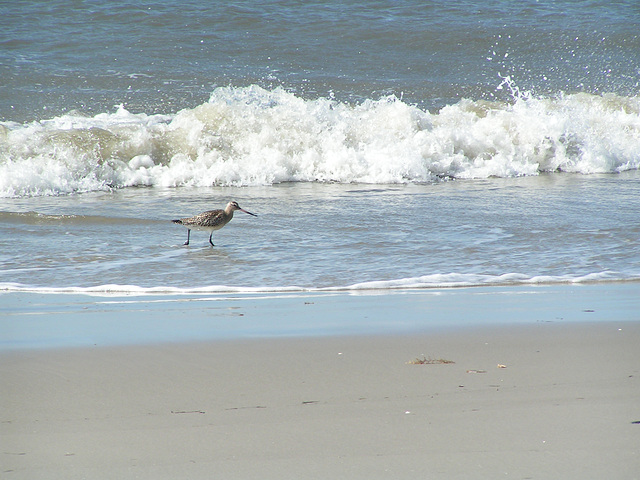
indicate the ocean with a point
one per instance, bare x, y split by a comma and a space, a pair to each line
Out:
384, 146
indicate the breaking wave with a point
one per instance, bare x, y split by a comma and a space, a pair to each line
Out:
252, 136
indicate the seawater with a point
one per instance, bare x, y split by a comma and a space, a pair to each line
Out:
159, 57
545, 229
251, 136
384, 146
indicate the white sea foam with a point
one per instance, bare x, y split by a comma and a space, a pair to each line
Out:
434, 281
252, 136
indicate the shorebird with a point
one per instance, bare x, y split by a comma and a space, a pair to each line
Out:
210, 220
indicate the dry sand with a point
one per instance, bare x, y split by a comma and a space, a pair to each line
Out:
567, 405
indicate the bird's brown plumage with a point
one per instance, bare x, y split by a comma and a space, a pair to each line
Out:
210, 220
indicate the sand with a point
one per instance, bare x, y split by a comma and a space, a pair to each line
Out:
566, 405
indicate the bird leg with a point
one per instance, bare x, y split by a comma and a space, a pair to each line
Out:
211, 242
188, 236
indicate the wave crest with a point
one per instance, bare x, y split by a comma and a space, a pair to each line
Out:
253, 136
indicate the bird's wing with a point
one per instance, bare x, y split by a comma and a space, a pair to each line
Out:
207, 219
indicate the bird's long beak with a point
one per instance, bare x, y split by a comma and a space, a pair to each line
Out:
243, 210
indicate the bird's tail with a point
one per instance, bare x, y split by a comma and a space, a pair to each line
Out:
177, 221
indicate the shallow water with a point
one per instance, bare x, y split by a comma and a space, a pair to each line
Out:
549, 228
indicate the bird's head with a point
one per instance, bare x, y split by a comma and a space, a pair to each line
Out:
233, 206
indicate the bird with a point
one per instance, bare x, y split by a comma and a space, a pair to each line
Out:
210, 220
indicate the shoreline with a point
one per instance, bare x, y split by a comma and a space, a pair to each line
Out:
564, 406
43, 321
544, 384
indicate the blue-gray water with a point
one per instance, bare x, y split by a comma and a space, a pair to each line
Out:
162, 56
382, 144
545, 229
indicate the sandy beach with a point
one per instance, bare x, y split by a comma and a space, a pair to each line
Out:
547, 400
